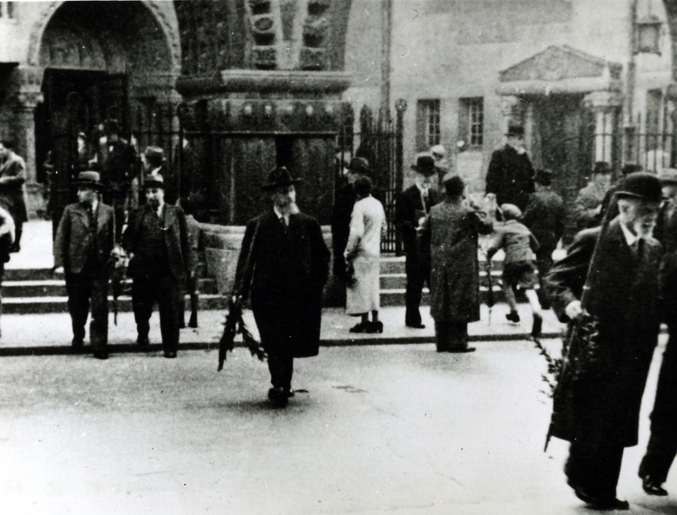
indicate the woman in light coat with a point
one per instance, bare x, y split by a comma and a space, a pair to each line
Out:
363, 252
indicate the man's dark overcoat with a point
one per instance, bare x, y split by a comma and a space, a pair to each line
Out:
73, 238
602, 408
451, 233
408, 207
545, 217
510, 177
287, 271
12, 196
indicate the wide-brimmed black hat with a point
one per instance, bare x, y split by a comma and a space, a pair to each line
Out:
543, 177
359, 165
601, 167
279, 176
515, 130
425, 165
154, 181
89, 178
641, 185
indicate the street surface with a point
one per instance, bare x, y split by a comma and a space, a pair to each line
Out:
381, 429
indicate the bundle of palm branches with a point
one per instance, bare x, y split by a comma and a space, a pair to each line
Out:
234, 325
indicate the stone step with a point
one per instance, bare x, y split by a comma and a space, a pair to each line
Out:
42, 305
395, 281
396, 296
396, 265
27, 274
57, 287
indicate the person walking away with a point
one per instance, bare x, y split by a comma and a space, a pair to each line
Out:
588, 206
510, 173
411, 208
283, 265
519, 268
193, 207
156, 241
662, 447
450, 234
362, 255
598, 409
545, 217
82, 251
12, 194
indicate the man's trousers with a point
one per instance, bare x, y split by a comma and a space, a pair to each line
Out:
82, 289
166, 290
418, 274
662, 447
594, 469
281, 368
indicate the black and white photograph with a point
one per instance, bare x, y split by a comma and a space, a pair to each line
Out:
338, 257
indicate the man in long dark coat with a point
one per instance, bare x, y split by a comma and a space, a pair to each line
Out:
597, 408
283, 265
160, 261
82, 251
12, 195
662, 447
451, 235
411, 208
510, 173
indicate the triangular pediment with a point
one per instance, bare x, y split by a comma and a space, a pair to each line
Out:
558, 63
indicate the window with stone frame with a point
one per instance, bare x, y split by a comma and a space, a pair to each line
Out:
471, 122
428, 131
6, 10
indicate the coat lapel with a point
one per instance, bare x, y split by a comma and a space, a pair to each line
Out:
84, 215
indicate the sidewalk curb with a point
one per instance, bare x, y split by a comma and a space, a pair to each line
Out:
120, 348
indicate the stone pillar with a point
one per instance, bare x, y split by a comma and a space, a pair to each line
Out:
606, 107
26, 96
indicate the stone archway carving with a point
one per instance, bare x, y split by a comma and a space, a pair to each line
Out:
169, 30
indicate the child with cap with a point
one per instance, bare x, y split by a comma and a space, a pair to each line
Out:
519, 267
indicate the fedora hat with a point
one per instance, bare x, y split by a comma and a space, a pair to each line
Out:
668, 176
601, 167
515, 130
89, 178
425, 165
543, 177
359, 165
641, 185
438, 150
154, 181
279, 176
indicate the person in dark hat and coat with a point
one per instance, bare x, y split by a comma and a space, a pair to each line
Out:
587, 209
412, 206
12, 194
598, 410
344, 200
156, 240
510, 173
82, 251
662, 447
627, 169
283, 266
545, 217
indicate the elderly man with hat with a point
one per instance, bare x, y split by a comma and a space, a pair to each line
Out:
156, 164
662, 447
510, 173
156, 240
412, 206
283, 266
587, 209
597, 408
545, 217
439, 154
82, 250
344, 200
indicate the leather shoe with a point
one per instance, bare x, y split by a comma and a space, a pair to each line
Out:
462, 349
278, 397
100, 354
416, 326
170, 354
601, 503
653, 487
142, 341
77, 346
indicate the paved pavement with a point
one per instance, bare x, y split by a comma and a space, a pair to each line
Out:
378, 429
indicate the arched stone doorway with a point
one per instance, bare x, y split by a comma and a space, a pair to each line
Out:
97, 61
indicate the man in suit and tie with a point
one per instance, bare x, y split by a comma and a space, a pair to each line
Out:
156, 240
283, 265
12, 195
82, 250
411, 208
662, 447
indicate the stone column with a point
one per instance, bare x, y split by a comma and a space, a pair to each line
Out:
25, 102
606, 107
